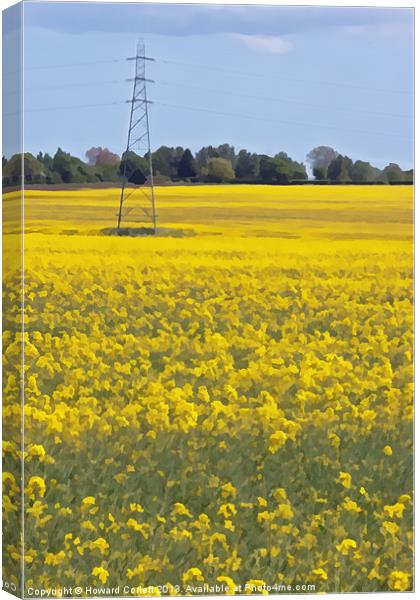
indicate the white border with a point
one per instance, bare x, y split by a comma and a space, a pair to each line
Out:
338, 3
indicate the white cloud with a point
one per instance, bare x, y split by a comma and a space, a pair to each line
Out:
265, 43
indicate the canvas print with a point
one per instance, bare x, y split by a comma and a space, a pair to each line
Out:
207, 294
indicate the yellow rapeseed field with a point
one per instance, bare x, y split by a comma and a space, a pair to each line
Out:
228, 403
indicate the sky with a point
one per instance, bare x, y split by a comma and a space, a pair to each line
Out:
264, 78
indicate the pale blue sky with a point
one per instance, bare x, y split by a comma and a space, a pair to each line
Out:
311, 76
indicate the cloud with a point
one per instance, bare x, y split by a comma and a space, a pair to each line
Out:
193, 19
265, 43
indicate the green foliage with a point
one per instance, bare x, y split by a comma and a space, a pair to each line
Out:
210, 164
224, 151
281, 169
133, 167
186, 167
218, 170
339, 169
321, 157
320, 173
166, 161
394, 174
72, 169
34, 170
363, 172
247, 166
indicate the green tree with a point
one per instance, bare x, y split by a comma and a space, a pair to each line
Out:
281, 170
320, 173
186, 166
409, 176
321, 156
47, 161
393, 174
340, 168
203, 156
71, 169
133, 167
363, 172
273, 171
166, 160
247, 166
225, 151
218, 170
33, 170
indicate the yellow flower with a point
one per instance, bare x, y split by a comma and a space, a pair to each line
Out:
264, 516
399, 581
143, 528
88, 525
277, 440
229, 525
279, 494
101, 573
335, 441
351, 506
255, 586
134, 507
373, 574
54, 559
230, 586
99, 544
388, 451
37, 450
404, 498
9, 479
320, 573
180, 510
345, 479
36, 483
88, 501
284, 511
394, 510
346, 545
227, 510
192, 574
390, 527
228, 490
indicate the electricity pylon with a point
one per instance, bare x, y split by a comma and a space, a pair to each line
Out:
141, 208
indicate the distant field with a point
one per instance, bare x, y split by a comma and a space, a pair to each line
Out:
232, 406
324, 212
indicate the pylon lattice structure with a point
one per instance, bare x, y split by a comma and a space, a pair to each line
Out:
137, 200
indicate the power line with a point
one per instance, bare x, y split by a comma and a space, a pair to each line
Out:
64, 66
80, 64
269, 120
68, 107
68, 85
283, 100
216, 90
262, 75
217, 113
221, 69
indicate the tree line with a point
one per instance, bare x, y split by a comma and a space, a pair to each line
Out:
221, 164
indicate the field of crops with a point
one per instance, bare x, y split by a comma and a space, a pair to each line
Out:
229, 405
